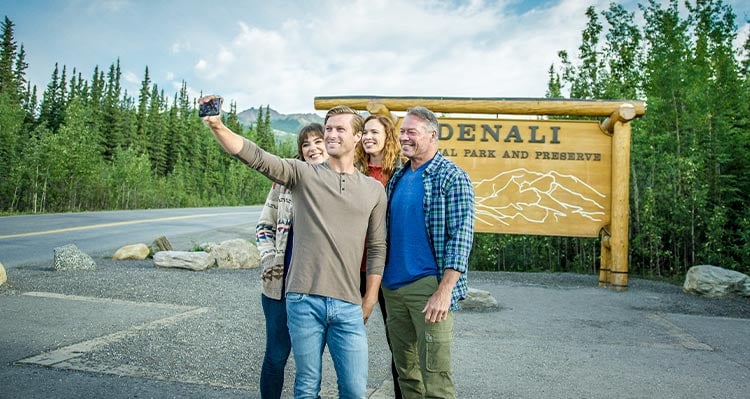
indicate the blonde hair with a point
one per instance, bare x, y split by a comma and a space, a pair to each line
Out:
391, 151
358, 123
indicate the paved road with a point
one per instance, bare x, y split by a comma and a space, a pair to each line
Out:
31, 238
130, 330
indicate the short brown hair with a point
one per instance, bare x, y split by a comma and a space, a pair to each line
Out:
426, 116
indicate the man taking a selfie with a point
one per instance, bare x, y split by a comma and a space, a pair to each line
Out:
337, 211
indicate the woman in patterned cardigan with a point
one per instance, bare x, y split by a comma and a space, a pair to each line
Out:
274, 237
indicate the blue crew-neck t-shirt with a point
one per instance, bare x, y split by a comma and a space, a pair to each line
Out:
410, 256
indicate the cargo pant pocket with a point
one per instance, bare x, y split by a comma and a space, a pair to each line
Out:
438, 351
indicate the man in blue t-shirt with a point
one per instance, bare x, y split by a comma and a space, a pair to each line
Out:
430, 233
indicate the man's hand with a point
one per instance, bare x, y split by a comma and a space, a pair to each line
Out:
213, 120
372, 288
437, 306
367, 307
229, 140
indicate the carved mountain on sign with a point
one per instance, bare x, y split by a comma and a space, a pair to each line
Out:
524, 196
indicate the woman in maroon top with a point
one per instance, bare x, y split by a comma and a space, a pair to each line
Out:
378, 155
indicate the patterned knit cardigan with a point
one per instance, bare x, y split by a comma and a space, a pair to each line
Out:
271, 234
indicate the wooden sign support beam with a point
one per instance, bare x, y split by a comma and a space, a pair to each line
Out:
378, 108
506, 106
615, 255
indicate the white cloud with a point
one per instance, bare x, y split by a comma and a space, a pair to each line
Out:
257, 53
109, 6
742, 36
387, 47
225, 56
180, 46
201, 65
131, 77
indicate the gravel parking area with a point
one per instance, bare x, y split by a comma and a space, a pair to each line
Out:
214, 339
671, 297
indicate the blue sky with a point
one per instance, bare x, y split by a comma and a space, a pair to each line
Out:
286, 53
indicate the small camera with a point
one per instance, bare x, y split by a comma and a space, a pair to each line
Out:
211, 107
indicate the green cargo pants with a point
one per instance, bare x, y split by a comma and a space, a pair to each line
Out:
421, 351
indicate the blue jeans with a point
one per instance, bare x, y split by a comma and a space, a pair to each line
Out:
316, 321
278, 346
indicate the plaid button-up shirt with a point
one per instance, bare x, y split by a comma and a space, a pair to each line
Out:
449, 217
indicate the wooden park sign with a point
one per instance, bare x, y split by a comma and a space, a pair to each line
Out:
536, 175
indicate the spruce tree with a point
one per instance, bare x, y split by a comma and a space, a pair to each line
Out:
174, 137
12, 115
141, 134
30, 107
263, 131
259, 127
53, 105
270, 139
112, 134
8, 82
158, 132
231, 119
19, 76
95, 101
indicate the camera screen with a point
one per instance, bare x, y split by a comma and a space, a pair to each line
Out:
210, 108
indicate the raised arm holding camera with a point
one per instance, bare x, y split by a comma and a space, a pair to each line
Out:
336, 213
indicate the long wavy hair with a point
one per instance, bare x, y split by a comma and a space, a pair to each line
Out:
392, 159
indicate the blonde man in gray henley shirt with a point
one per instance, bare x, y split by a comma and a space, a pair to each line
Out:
337, 210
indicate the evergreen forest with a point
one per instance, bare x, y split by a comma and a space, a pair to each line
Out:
85, 144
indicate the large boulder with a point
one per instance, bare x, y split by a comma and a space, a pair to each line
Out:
161, 243
3, 276
184, 260
716, 282
479, 300
134, 252
69, 257
235, 254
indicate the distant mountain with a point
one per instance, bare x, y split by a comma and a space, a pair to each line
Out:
282, 124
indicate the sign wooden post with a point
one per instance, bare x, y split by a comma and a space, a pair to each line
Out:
534, 175
617, 244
